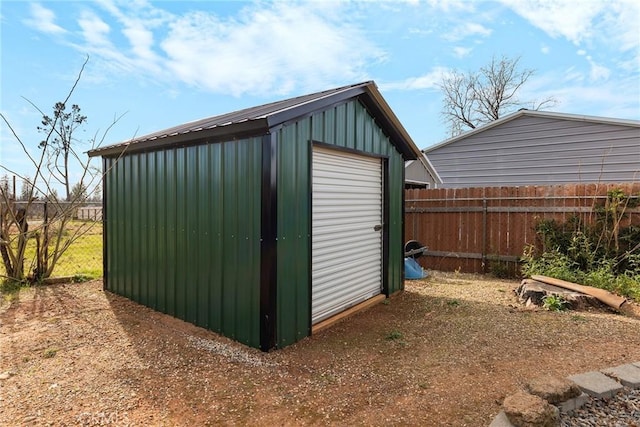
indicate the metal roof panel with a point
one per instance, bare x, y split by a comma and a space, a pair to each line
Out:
263, 117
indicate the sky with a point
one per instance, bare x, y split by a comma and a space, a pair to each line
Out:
159, 64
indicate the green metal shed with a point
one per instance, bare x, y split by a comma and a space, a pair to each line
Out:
261, 223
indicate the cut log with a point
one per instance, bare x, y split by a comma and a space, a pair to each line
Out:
606, 297
533, 292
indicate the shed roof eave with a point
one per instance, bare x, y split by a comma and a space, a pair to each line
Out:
400, 138
234, 131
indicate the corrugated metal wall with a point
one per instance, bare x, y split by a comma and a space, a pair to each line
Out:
538, 151
183, 234
183, 225
348, 125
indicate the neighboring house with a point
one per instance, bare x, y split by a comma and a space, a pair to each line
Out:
420, 173
540, 148
262, 223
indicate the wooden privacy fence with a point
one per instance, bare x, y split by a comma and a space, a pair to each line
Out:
473, 229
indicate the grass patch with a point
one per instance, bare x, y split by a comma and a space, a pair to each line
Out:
83, 259
394, 335
9, 289
49, 353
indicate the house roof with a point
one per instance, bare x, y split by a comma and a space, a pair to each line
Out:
428, 166
261, 119
534, 113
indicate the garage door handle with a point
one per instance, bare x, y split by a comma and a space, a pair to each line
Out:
377, 227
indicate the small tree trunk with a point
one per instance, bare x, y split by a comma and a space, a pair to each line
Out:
42, 248
23, 228
5, 223
6, 260
66, 174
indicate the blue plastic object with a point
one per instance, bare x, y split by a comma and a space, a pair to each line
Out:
412, 270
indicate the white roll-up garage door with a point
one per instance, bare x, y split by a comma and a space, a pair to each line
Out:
346, 248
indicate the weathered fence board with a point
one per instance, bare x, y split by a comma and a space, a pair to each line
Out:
468, 229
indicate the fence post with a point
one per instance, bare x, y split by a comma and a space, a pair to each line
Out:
484, 234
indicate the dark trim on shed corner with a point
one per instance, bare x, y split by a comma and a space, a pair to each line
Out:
268, 243
105, 251
402, 235
310, 239
385, 226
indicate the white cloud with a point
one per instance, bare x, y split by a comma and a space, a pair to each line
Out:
43, 19
420, 31
559, 17
614, 22
431, 80
270, 48
94, 30
620, 24
461, 52
451, 5
577, 95
545, 49
412, 2
572, 75
138, 25
468, 29
274, 49
597, 72
141, 40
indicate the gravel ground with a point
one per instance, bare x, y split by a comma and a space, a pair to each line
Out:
443, 353
622, 410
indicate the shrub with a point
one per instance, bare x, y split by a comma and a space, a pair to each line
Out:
603, 255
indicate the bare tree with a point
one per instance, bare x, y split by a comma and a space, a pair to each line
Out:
478, 97
52, 166
59, 131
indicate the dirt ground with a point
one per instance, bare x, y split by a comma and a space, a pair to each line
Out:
445, 352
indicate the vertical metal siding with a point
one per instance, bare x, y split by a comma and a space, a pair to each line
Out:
294, 204
204, 238
294, 214
184, 234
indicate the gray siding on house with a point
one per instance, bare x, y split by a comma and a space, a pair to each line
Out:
415, 172
537, 148
420, 173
